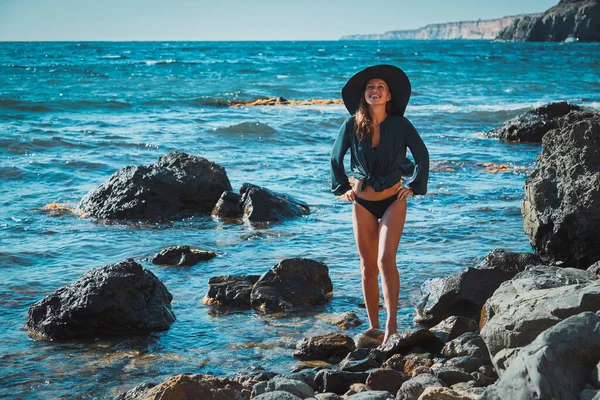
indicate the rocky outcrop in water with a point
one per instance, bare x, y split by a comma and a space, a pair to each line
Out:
292, 282
182, 256
116, 300
480, 29
534, 124
570, 19
561, 209
176, 185
230, 291
257, 204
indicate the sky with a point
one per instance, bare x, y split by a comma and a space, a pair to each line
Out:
203, 20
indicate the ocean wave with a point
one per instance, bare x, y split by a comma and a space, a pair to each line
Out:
457, 109
159, 62
251, 128
114, 57
62, 105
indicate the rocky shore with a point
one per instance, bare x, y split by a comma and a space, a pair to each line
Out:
515, 326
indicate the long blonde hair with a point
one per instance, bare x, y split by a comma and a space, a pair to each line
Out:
363, 123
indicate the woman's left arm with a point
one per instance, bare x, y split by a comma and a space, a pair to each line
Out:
418, 181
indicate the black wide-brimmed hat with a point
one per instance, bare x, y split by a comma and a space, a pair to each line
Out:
395, 78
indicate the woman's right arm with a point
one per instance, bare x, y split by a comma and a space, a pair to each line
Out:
339, 179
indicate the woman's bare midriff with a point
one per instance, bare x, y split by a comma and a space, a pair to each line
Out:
369, 193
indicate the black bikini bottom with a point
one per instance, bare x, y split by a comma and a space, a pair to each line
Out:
378, 207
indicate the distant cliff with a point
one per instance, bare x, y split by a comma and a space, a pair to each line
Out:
569, 20
481, 29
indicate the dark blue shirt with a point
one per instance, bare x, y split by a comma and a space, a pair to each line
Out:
383, 166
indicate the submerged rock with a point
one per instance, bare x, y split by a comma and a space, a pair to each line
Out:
230, 291
553, 366
176, 185
576, 20
116, 300
534, 124
292, 282
561, 209
182, 256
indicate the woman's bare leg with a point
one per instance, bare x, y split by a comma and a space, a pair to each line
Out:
390, 232
366, 233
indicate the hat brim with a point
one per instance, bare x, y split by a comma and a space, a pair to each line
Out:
395, 78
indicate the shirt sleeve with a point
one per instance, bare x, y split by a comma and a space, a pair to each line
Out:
418, 182
339, 179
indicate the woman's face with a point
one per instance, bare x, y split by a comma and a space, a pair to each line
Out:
377, 92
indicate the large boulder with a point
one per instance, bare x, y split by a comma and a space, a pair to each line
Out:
509, 261
176, 185
115, 300
561, 209
534, 124
521, 309
570, 19
404, 342
468, 345
453, 327
414, 387
462, 294
282, 384
338, 382
230, 291
258, 204
331, 347
292, 282
555, 365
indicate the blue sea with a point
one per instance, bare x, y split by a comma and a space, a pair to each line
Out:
71, 114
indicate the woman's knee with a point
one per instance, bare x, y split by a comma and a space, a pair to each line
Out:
369, 271
386, 263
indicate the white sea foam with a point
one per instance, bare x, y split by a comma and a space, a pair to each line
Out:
110, 56
455, 109
157, 62
282, 76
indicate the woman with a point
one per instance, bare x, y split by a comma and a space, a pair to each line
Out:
378, 135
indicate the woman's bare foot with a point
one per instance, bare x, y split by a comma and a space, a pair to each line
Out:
389, 331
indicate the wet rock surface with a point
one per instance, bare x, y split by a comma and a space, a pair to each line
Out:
258, 204
332, 347
534, 124
292, 282
121, 299
509, 261
176, 185
230, 291
561, 209
182, 256
346, 320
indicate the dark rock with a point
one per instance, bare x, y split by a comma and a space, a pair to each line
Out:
451, 375
230, 291
469, 344
176, 185
138, 392
466, 363
489, 371
372, 395
534, 124
292, 282
421, 370
359, 360
577, 19
555, 365
594, 379
561, 209
594, 269
189, 387
589, 394
347, 320
453, 327
276, 395
328, 396
116, 300
408, 363
332, 347
413, 388
462, 294
509, 261
229, 205
262, 205
388, 380
402, 343
516, 315
338, 382
182, 256
481, 379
